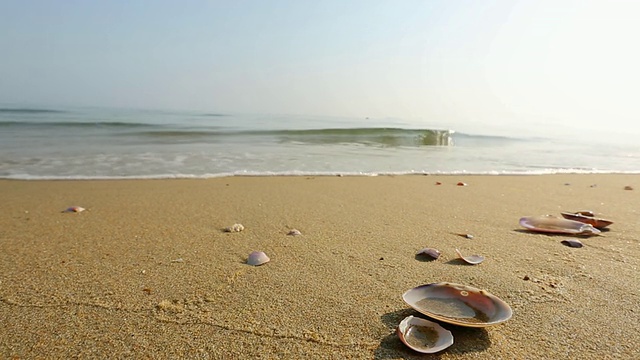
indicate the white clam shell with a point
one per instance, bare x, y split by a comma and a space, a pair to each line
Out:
431, 252
423, 335
553, 224
471, 259
458, 304
294, 232
257, 258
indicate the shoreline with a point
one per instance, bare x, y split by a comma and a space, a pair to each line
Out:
148, 272
312, 174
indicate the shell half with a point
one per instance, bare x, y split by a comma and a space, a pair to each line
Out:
423, 335
257, 258
553, 224
587, 217
458, 304
471, 259
430, 252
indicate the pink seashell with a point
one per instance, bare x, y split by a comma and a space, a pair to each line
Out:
458, 304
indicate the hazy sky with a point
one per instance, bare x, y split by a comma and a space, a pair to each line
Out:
448, 61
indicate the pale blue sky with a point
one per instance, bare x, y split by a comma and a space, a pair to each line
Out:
494, 63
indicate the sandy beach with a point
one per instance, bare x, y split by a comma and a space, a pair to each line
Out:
147, 272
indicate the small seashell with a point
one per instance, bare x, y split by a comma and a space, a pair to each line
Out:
178, 260
75, 209
438, 183
234, 228
471, 259
462, 184
257, 258
294, 232
423, 335
431, 252
468, 236
572, 243
628, 187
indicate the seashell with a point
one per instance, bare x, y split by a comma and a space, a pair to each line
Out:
234, 228
628, 187
572, 243
75, 209
294, 232
468, 236
587, 217
471, 259
423, 335
553, 224
257, 258
431, 252
438, 183
462, 184
458, 304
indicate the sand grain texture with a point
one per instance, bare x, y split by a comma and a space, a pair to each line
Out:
147, 271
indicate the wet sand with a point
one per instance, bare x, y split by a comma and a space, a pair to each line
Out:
147, 271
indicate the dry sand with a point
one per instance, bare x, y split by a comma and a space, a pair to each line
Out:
147, 271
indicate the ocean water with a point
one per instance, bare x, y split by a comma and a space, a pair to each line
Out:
92, 143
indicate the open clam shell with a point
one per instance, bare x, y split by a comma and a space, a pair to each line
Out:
553, 224
587, 217
470, 259
423, 335
458, 304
